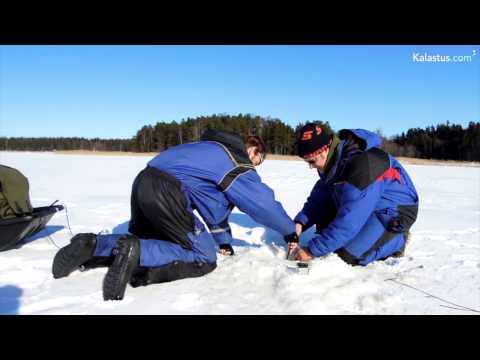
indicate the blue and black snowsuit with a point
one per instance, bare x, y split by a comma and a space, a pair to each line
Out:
211, 176
364, 203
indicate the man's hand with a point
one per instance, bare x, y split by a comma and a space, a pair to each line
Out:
226, 249
303, 255
291, 248
292, 243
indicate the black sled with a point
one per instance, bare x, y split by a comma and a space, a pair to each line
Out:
13, 231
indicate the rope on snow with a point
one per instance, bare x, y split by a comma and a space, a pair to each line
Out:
456, 306
68, 224
68, 220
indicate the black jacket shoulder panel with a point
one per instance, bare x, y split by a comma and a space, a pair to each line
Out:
232, 175
363, 169
232, 142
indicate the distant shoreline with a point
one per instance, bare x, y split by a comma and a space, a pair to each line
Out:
403, 160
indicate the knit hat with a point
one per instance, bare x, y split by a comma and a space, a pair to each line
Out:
312, 140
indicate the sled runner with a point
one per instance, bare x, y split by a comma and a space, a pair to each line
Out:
14, 230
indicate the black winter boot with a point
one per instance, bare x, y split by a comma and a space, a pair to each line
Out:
74, 255
127, 259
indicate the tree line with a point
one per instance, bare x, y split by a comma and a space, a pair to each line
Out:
64, 143
278, 137
445, 141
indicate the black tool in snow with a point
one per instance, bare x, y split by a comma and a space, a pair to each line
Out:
300, 267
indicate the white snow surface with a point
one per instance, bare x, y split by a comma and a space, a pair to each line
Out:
443, 258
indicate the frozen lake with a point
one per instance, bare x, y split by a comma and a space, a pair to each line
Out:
443, 258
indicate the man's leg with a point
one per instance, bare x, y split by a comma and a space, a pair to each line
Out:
385, 250
106, 244
176, 270
373, 242
148, 261
167, 237
85, 251
158, 252
81, 253
163, 261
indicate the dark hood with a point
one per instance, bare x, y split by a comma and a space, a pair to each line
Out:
233, 142
367, 139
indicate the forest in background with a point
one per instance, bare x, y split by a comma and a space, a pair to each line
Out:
446, 141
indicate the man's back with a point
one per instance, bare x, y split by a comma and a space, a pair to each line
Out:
363, 162
216, 179
194, 162
199, 167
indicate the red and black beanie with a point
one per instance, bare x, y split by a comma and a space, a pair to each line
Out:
312, 140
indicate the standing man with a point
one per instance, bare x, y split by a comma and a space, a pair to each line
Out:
364, 203
167, 241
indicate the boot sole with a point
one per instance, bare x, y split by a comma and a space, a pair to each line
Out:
67, 260
114, 283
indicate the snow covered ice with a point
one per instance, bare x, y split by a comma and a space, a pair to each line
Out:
443, 258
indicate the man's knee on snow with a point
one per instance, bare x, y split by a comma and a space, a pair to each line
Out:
174, 271
204, 246
394, 245
390, 248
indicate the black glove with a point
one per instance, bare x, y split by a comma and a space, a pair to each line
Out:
291, 238
227, 247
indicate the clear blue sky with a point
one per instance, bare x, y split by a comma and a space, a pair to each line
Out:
112, 91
